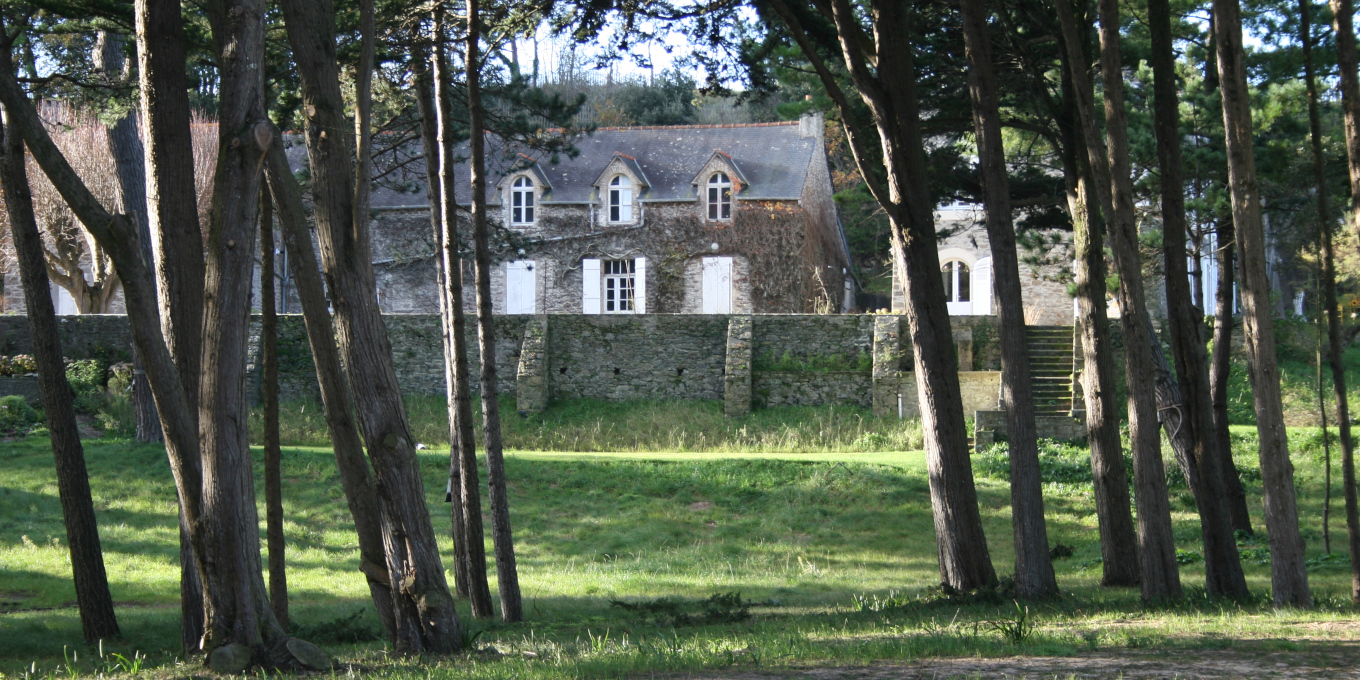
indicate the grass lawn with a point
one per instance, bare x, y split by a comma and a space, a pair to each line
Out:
833, 550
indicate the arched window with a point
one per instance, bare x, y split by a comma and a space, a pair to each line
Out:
956, 281
719, 197
522, 201
620, 199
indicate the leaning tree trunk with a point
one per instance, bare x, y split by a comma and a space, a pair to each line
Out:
965, 562
237, 602
97, 619
172, 214
1223, 567
118, 236
426, 620
507, 575
1334, 346
355, 476
126, 146
1034, 577
1288, 573
888, 90
1113, 185
269, 361
1114, 514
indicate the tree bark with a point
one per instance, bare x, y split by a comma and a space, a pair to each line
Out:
117, 235
1220, 368
451, 319
882, 70
1329, 301
269, 360
507, 576
1113, 185
1223, 566
1114, 513
237, 601
172, 214
1034, 577
97, 618
425, 617
1288, 573
126, 145
1343, 21
355, 475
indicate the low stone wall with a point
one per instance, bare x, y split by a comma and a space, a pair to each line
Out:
786, 388
989, 426
650, 356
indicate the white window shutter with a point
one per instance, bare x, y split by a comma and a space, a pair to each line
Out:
590, 286
640, 285
982, 286
625, 205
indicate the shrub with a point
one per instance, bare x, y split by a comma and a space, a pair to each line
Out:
16, 416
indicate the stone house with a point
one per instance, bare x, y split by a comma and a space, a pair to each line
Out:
713, 219
966, 267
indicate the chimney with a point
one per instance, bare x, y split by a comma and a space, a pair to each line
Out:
811, 126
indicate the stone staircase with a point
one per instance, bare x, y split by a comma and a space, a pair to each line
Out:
1050, 365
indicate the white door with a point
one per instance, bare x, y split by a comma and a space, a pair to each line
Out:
519, 287
717, 285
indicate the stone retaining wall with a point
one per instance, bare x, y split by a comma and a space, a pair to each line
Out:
651, 356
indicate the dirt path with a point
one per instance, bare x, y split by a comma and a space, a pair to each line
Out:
1333, 661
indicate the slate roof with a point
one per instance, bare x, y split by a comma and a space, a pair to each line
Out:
772, 157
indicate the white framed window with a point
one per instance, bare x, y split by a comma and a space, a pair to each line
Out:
614, 286
522, 201
620, 199
620, 278
719, 196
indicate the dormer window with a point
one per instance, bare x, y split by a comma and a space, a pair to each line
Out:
522, 201
620, 199
719, 196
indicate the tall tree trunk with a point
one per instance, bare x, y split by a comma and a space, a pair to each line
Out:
460, 417
1220, 369
118, 236
1114, 513
1113, 185
451, 320
1223, 567
1343, 21
1329, 301
126, 145
237, 601
1288, 573
97, 619
507, 576
1034, 577
426, 620
355, 475
888, 90
269, 360
172, 214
